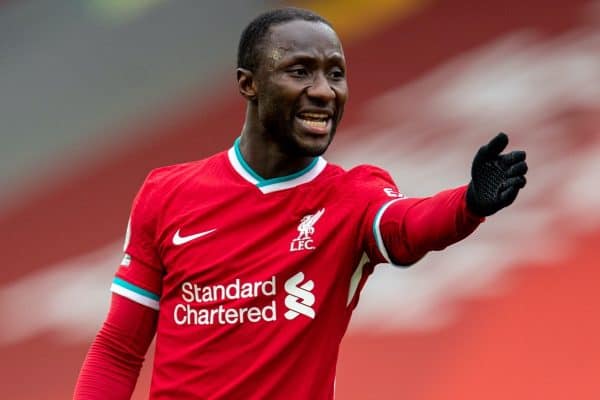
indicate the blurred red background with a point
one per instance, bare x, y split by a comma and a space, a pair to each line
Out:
508, 313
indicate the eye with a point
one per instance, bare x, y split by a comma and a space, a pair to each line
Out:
298, 72
337, 74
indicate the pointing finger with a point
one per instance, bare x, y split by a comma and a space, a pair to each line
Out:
493, 148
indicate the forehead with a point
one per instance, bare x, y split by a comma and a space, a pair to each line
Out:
303, 36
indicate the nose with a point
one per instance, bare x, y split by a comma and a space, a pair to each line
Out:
321, 89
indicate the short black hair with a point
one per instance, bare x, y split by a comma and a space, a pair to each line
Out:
248, 56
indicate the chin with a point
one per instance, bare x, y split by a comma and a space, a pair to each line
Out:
312, 151
310, 147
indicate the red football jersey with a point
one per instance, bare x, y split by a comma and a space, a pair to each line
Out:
255, 279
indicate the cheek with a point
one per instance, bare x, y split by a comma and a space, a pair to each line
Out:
270, 108
279, 96
341, 98
341, 94
279, 101
273, 109
267, 100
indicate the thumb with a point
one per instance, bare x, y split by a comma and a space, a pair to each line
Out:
492, 149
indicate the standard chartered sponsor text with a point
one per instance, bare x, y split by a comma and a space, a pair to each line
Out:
192, 312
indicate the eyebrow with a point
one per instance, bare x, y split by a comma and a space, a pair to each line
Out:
307, 57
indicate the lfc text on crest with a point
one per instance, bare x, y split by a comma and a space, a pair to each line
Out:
306, 229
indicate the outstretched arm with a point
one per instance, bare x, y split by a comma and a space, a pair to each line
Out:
113, 363
409, 228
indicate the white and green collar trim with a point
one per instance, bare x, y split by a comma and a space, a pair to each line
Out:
303, 176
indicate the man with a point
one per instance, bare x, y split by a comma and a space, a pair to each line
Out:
248, 264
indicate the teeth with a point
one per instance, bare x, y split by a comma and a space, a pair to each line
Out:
315, 124
315, 116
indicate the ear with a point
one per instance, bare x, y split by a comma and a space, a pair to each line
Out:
246, 83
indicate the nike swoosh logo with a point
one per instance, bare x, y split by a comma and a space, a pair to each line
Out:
179, 240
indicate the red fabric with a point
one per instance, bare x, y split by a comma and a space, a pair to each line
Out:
412, 227
141, 275
256, 308
113, 363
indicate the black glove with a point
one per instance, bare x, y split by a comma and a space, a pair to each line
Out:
495, 178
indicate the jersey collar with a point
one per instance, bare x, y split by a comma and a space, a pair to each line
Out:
301, 177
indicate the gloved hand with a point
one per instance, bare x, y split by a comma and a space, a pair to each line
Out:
495, 178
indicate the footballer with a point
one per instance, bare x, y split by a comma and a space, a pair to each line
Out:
247, 265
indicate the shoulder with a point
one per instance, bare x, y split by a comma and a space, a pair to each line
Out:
361, 181
373, 182
170, 175
360, 171
163, 181
369, 173
363, 176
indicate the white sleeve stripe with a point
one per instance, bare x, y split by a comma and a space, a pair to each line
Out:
377, 230
134, 296
356, 277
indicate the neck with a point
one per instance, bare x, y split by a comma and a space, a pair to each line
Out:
264, 155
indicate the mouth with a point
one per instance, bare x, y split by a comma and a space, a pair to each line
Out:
317, 123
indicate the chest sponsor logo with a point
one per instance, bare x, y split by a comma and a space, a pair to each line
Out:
306, 229
243, 302
178, 240
300, 298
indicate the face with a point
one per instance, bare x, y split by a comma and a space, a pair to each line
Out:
301, 86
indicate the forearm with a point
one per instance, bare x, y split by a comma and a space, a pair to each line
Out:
113, 363
412, 227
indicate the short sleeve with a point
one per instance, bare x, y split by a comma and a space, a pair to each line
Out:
140, 239
378, 190
139, 276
